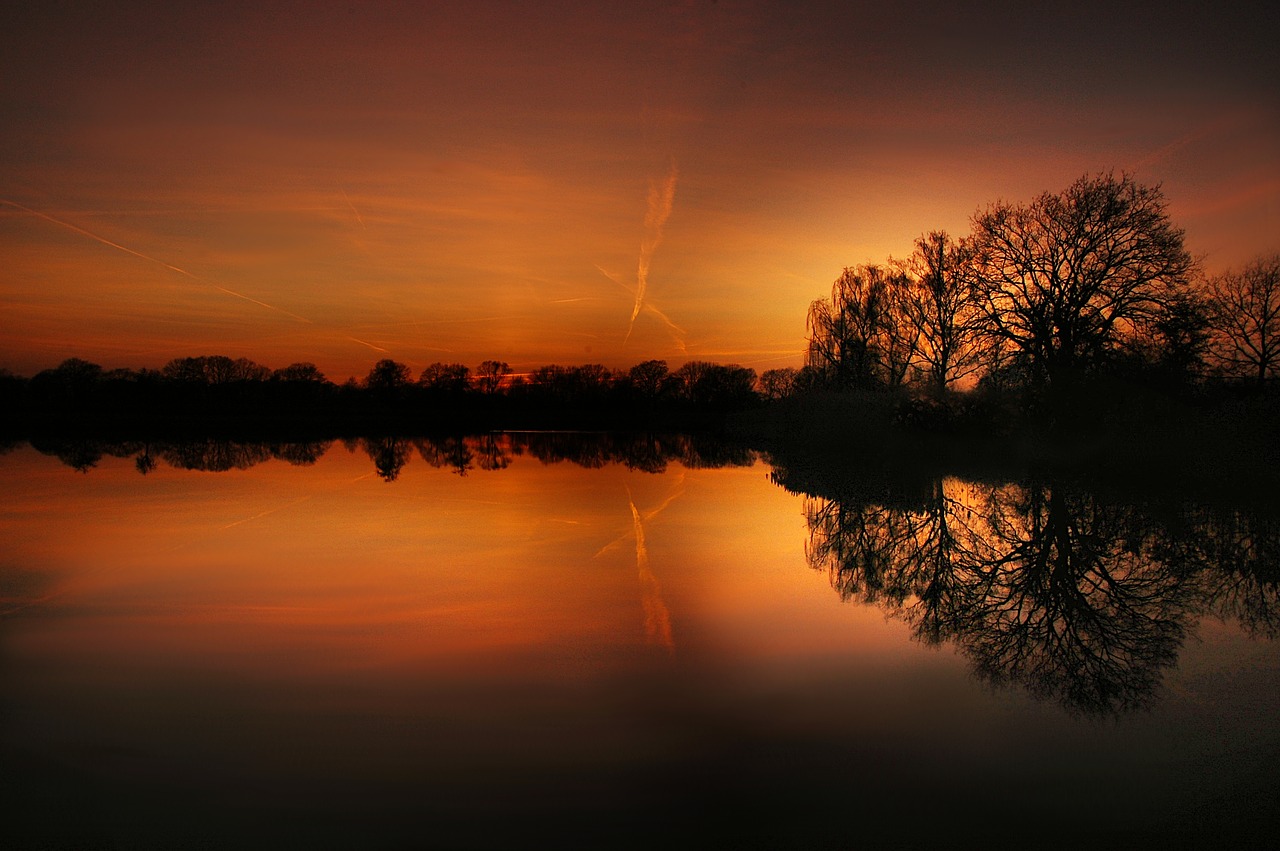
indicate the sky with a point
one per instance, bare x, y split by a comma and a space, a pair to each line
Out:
558, 182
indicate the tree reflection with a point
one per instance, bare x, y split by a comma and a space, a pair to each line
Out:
214, 455
1245, 548
493, 451
1077, 602
1074, 598
144, 462
452, 452
389, 455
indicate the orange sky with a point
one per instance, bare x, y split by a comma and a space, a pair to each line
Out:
570, 182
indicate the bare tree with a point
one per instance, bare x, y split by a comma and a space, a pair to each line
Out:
1246, 318
938, 303
858, 337
778, 383
214, 370
452, 378
1064, 280
302, 372
489, 375
647, 378
387, 376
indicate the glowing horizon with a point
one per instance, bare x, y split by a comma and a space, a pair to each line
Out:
555, 187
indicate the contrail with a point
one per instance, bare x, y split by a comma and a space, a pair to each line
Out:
149, 259
370, 345
359, 218
677, 333
94, 236
661, 198
265, 513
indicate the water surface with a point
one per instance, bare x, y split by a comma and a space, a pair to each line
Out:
545, 642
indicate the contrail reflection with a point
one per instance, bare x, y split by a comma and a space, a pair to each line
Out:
657, 619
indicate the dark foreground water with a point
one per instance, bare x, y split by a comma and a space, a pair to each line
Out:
561, 642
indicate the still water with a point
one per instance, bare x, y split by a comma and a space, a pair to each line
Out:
556, 641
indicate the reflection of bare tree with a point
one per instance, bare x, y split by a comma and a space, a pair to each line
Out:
389, 455
1241, 582
145, 462
1074, 598
1077, 603
214, 455
451, 452
492, 451
301, 454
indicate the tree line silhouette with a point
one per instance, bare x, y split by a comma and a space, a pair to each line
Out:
209, 393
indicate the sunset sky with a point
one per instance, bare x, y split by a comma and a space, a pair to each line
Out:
571, 183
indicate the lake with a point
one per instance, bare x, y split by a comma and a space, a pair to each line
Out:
581, 641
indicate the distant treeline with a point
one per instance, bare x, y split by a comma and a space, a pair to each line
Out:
213, 393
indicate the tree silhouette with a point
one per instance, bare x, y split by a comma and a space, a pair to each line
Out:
1177, 343
145, 462
859, 338
490, 374
387, 377
451, 379
214, 455
214, 370
1064, 280
711, 385
938, 303
302, 372
778, 383
1246, 317
647, 378
1078, 604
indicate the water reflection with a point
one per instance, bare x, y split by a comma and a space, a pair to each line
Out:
460, 453
599, 654
1077, 598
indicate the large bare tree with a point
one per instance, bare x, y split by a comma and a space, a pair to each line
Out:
1065, 280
